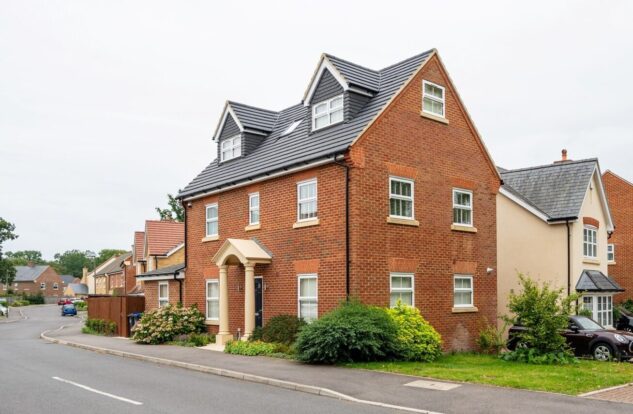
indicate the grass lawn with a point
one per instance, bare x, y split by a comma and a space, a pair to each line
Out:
487, 369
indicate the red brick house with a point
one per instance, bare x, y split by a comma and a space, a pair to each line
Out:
377, 186
33, 279
620, 245
115, 278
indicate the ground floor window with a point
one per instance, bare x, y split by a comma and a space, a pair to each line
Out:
213, 299
163, 294
308, 297
601, 308
463, 291
401, 288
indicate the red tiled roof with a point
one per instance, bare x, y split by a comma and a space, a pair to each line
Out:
162, 236
139, 241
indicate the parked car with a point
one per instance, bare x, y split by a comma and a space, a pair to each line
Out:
625, 323
4, 311
69, 309
587, 337
77, 300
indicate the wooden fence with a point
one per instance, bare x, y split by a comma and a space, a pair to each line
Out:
115, 309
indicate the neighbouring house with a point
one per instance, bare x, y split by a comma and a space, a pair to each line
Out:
88, 278
138, 257
620, 245
162, 259
553, 224
376, 186
113, 278
34, 279
76, 290
67, 280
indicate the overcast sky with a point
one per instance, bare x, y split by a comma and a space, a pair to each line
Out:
105, 107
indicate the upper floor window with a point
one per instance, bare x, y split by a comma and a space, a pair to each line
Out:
400, 198
401, 289
55, 286
253, 208
212, 219
610, 252
231, 148
307, 200
327, 113
462, 207
432, 98
590, 242
43, 285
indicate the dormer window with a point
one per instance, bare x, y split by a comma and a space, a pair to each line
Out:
327, 113
432, 99
231, 148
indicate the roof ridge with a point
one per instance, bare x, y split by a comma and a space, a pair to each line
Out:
619, 177
408, 59
536, 167
253, 107
351, 63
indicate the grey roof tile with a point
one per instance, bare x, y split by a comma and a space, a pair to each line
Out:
355, 74
596, 281
28, 273
276, 153
116, 265
254, 118
557, 190
79, 288
167, 270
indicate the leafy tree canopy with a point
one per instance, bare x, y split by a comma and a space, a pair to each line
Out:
72, 262
175, 211
106, 254
23, 257
7, 271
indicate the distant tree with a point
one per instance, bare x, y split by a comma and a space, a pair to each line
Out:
175, 211
72, 262
106, 254
23, 257
7, 271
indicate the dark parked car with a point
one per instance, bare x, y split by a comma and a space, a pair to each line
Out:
587, 337
625, 323
69, 309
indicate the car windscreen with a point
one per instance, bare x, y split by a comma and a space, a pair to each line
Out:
69, 306
587, 324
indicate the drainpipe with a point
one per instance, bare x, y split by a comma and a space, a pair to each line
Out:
179, 287
568, 257
184, 208
347, 232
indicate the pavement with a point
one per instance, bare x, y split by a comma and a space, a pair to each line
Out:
368, 387
15, 314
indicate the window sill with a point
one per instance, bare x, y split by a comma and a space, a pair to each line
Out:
465, 309
307, 223
210, 238
611, 263
212, 322
402, 221
434, 117
465, 229
252, 227
591, 261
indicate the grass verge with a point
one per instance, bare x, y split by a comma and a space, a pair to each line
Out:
570, 379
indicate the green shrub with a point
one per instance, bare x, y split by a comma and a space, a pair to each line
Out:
194, 339
491, 340
417, 340
81, 306
282, 329
18, 303
100, 327
164, 324
628, 305
250, 348
257, 334
37, 299
351, 332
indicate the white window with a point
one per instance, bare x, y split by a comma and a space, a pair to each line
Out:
213, 299
462, 207
253, 208
231, 148
163, 294
400, 198
610, 252
327, 113
590, 242
55, 286
432, 98
307, 200
43, 285
463, 291
212, 220
308, 297
601, 308
401, 288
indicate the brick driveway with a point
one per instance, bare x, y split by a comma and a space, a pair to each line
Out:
623, 394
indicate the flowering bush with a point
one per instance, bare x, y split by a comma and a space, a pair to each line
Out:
417, 339
163, 324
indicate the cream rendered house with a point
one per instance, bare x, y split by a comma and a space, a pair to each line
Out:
553, 224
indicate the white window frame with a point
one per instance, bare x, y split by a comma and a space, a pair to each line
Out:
251, 209
463, 207
611, 253
470, 290
163, 298
328, 112
300, 298
229, 146
434, 98
401, 197
212, 299
307, 200
589, 246
55, 286
43, 286
603, 316
208, 220
402, 290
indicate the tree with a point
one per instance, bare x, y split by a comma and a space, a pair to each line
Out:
7, 271
23, 257
175, 211
72, 262
106, 254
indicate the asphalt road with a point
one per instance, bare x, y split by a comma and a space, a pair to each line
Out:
38, 377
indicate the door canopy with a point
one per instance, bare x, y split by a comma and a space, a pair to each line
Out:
236, 251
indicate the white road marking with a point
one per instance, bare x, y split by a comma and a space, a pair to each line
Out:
116, 397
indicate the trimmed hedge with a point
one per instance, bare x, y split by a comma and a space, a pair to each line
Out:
250, 348
417, 339
100, 327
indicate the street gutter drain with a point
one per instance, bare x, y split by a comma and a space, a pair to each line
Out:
432, 385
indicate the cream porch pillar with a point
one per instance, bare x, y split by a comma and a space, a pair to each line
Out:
224, 335
249, 300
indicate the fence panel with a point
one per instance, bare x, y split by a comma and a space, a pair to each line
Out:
115, 309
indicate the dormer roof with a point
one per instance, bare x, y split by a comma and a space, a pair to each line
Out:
247, 118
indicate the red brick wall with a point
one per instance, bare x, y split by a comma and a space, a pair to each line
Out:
50, 277
151, 293
620, 196
130, 277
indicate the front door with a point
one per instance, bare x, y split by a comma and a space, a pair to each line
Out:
259, 302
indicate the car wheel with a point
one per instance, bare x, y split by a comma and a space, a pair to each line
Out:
602, 352
628, 329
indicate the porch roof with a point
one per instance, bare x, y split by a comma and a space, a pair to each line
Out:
596, 281
246, 251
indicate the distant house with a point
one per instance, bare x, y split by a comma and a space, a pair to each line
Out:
112, 278
67, 280
554, 224
89, 277
33, 279
76, 290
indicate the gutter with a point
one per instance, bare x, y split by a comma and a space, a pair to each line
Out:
347, 231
